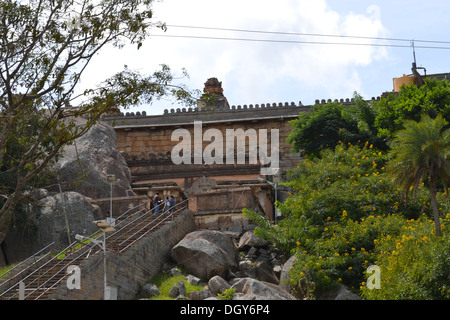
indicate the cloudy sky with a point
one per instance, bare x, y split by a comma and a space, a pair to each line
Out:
285, 67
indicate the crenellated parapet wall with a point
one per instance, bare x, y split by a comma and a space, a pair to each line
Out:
197, 111
275, 106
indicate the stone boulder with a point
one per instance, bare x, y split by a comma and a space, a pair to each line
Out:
85, 164
206, 253
261, 270
196, 281
54, 215
284, 275
200, 295
218, 285
150, 290
178, 290
252, 289
249, 239
264, 272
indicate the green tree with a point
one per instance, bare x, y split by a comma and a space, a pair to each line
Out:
373, 121
364, 114
410, 103
421, 153
45, 46
329, 124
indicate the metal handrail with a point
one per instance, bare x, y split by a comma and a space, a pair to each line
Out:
161, 221
67, 249
41, 267
147, 224
29, 275
80, 255
142, 235
126, 212
19, 264
86, 247
145, 214
66, 265
70, 262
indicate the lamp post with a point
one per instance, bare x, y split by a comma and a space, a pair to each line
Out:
274, 184
112, 180
105, 227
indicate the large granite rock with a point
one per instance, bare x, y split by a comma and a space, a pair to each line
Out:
49, 218
284, 276
206, 253
87, 162
58, 216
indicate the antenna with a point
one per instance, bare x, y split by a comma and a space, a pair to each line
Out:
414, 53
417, 76
414, 64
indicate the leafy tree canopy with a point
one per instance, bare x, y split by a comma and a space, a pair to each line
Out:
45, 47
329, 124
344, 214
372, 121
432, 99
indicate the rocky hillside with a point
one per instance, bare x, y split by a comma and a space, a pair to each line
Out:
233, 265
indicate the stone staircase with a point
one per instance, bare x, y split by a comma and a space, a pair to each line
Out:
43, 277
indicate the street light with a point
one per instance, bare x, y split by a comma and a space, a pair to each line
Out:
105, 227
112, 181
276, 178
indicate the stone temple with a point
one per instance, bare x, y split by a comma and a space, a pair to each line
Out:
224, 186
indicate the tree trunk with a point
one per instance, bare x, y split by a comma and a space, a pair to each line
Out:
5, 220
434, 206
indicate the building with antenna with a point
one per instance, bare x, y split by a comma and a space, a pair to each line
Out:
416, 77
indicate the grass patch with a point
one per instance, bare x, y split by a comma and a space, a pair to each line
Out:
165, 282
62, 254
5, 269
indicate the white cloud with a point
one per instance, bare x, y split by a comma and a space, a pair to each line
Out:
259, 72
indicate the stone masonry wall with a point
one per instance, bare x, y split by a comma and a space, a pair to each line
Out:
132, 269
147, 150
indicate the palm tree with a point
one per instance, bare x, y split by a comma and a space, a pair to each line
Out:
421, 153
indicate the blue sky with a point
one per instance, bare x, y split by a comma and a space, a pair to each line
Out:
266, 72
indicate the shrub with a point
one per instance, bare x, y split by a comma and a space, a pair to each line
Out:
228, 294
414, 262
345, 214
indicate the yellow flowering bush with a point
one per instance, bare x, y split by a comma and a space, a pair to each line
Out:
414, 263
344, 251
345, 214
228, 294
